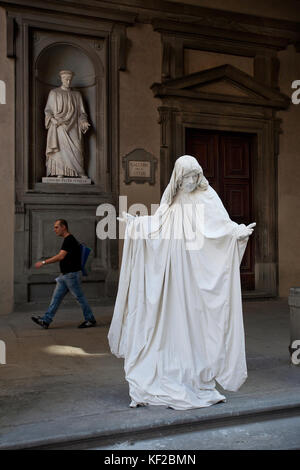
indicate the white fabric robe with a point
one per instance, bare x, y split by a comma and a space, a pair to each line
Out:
178, 314
64, 152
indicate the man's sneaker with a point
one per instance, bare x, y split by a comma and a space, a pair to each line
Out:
39, 321
88, 324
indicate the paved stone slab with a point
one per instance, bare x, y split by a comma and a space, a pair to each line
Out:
63, 383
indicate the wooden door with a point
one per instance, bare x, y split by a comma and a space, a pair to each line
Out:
226, 161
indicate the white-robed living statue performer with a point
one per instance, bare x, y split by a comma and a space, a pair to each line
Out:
66, 121
178, 315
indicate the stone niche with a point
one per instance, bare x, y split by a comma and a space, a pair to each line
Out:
92, 50
53, 52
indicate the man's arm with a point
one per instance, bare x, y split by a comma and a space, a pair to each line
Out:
59, 257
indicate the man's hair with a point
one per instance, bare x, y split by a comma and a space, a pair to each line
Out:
63, 222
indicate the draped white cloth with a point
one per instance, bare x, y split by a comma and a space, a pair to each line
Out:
64, 152
178, 314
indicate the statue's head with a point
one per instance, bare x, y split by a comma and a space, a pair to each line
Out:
66, 77
188, 182
187, 175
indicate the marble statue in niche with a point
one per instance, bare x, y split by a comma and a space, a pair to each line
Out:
66, 121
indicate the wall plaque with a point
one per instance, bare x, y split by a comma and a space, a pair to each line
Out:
65, 179
139, 167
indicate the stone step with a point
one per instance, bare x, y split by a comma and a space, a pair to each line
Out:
159, 423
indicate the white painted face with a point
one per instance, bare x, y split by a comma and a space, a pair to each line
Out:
189, 182
66, 80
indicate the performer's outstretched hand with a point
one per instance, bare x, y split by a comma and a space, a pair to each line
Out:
244, 231
126, 217
249, 227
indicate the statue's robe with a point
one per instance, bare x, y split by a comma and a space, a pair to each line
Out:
64, 152
178, 314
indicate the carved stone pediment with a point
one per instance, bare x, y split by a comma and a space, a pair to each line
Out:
224, 83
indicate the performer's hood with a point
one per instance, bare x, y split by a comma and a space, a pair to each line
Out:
183, 166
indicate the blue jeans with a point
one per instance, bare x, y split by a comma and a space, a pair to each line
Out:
64, 283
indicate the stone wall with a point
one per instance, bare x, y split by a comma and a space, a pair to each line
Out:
6, 175
287, 10
289, 178
139, 126
288, 158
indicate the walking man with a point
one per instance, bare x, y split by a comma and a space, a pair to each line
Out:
69, 259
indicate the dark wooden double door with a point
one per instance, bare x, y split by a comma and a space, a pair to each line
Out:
226, 161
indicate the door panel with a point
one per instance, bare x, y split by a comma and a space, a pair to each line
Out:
204, 147
236, 199
226, 162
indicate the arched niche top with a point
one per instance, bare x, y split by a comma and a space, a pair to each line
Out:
62, 56
2, 92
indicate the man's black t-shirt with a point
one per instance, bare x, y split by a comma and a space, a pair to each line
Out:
72, 260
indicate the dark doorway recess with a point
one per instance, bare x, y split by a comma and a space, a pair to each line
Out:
227, 164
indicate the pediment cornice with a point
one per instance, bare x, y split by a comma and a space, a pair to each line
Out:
194, 86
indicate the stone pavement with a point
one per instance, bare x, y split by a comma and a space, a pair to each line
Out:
62, 385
